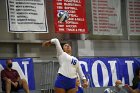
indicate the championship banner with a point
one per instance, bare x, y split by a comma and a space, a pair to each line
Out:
102, 72
26, 16
106, 17
70, 16
133, 17
25, 68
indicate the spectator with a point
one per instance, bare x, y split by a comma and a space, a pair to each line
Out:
136, 78
11, 80
119, 88
137, 90
136, 82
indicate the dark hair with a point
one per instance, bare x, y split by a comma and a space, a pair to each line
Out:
137, 71
8, 60
62, 44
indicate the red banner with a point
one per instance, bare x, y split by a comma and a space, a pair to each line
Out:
70, 16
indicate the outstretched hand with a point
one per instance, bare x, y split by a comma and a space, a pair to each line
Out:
46, 43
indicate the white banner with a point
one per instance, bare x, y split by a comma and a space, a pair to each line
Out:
133, 15
26, 16
106, 17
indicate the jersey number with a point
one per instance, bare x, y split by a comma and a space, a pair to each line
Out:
73, 62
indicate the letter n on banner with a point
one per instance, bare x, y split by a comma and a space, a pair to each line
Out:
25, 68
70, 16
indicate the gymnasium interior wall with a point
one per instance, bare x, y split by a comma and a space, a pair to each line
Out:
29, 44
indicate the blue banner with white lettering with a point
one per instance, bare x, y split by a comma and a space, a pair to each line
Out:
25, 68
105, 71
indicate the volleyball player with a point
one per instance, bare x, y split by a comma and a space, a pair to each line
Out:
69, 67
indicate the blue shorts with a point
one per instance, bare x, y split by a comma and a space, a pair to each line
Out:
65, 82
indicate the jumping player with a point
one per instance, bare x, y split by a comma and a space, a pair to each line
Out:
69, 67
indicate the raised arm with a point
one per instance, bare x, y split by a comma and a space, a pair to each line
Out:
82, 76
57, 44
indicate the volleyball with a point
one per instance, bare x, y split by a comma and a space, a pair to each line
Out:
62, 16
107, 90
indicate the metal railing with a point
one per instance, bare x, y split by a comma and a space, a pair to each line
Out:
47, 76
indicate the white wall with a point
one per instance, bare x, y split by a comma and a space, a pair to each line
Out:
108, 48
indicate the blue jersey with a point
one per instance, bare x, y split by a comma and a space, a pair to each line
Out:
80, 90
